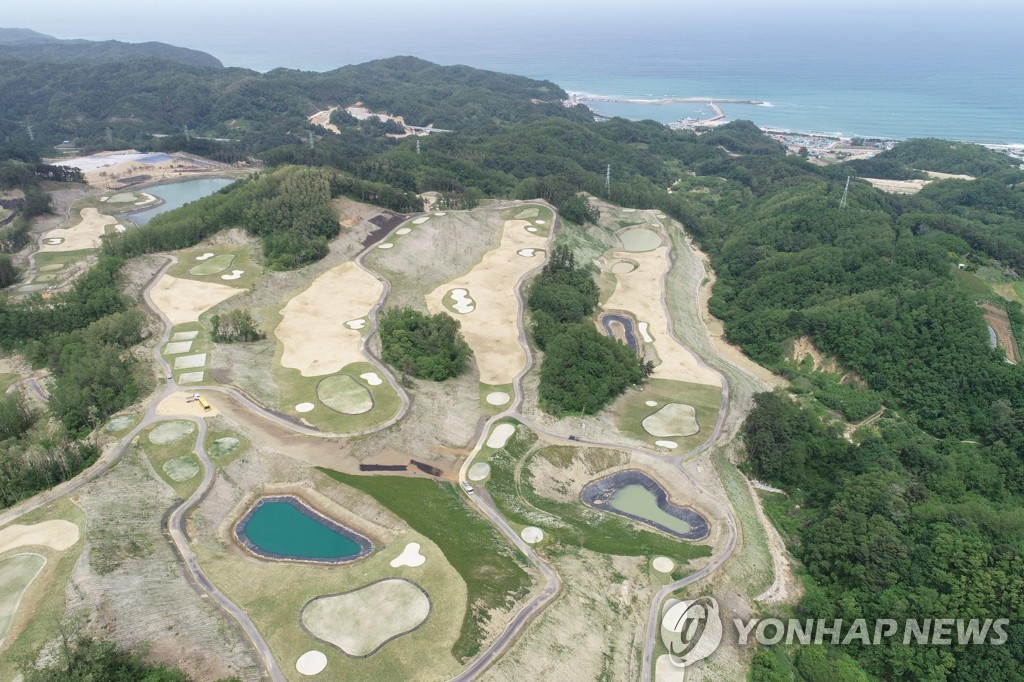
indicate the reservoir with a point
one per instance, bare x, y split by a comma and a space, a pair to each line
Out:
285, 528
176, 195
635, 495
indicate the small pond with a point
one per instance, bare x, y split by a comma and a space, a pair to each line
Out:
637, 496
285, 528
176, 195
613, 323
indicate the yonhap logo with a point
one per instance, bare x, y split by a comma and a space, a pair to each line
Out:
691, 630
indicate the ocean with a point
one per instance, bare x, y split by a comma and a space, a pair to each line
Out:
919, 70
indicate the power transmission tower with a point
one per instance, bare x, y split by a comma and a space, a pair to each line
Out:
31, 134
188, 135
608, 182
417, 146
312, 142
110, 136
846, 192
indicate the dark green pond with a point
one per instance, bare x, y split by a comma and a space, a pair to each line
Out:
285, 528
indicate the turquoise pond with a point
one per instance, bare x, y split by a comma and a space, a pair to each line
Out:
176, 195
285, 528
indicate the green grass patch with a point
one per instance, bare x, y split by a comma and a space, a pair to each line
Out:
632, 409
212, 266
173, 460
342, 393
572, 524
487, 389
6, 379
492, 570
224, 447
17, 572
44, 259
296, 389
973, 285
122, 423
225, 259
542, 213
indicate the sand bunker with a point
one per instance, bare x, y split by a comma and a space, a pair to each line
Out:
57, 534
663, 564
184, 336
304, 407
440, 213
385, 245
169, 432
527, 253
372, 378
53, 240
498, 398
315, 337
668, 444
190, 361
538, 222
362, 621
638, 239
532, 535
420, 221
181, 468
83, 235
356, 324
493, 332
531, 229
410, 556
211, 266
622, 267
311, 662
674, 419
16, 574
461, 301
639, 292
403, 230
177, 347
479, 471
206, 256
235, 274
651, 403
184, 300
500, 435
222, 447
344, 394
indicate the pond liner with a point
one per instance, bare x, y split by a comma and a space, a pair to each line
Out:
365, 546
597, 495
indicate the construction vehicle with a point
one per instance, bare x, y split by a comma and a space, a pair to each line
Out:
205, 405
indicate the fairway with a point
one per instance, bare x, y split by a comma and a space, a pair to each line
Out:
16, 574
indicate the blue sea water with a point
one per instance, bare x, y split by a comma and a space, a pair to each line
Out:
905, 68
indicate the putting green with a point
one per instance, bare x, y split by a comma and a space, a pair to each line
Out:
45, 278
674, 419
170, 432
120, 423
16, 574
181, 468
222, 447
344, 394
122, 198
640, 239
527, 213
213, 265
51, 267
361, 622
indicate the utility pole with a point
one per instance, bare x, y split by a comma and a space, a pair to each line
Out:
846, 192
608, 183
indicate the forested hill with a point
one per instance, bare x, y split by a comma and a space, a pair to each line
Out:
136, 98
26, 44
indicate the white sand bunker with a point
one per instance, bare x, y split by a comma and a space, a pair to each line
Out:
531, 229
461, 302
235, 274
206, 256
57, 534
190, 361
120, 228
410, 556
385, 245
440, 213
532, 535
312, 330
184, 336
527, 253
622, 267
674, 419
643, 327
304, 407
181, 468
663, 564
104, 198
651, 403
177, 347
538, 222
479, 471
500, 435
169, 432
362, 621
356, 324
420, 221
668, 444
311, 663
53, 241
498, 398
184, 300
372, 378
403, 230
661, 216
